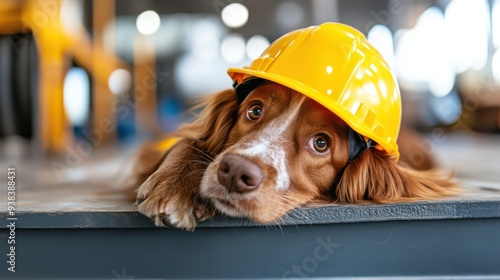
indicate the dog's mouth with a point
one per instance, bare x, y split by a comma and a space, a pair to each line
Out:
228, 207
225, 202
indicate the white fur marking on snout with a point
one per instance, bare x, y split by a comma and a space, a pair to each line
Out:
273, 155
267, 146
257, 149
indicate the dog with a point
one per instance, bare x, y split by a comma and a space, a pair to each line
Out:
276, 151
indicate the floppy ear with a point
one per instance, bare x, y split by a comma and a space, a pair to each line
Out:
209, 129
212, 125
375, 176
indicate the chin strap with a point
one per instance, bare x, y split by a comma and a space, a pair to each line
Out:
357, 146
243, 89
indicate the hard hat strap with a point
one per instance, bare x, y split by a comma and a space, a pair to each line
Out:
358, 144
243, 89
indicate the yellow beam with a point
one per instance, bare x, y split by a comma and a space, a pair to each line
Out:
56, 43
145, 85
11, 6
104, 14
12, 23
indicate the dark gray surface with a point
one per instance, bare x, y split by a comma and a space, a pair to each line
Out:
473, 208
462, 247
437, 240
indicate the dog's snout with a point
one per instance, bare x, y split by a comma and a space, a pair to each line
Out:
238, 174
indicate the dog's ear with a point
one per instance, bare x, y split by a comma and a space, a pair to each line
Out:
376, 177
212, 125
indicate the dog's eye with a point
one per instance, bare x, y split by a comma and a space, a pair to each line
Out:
320, 143
254, 111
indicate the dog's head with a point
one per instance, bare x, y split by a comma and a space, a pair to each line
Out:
283, 150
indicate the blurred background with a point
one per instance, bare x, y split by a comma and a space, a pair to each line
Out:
80, 78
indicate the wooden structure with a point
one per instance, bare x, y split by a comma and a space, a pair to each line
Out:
59, 38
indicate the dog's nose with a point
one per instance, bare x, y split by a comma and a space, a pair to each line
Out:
238, 174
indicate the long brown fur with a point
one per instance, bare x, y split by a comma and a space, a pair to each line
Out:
212, 126
174, 176
209, 130
374, 176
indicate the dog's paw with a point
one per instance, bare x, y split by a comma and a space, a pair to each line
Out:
169, 205
203, 211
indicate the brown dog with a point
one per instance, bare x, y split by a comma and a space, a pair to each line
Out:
275, 152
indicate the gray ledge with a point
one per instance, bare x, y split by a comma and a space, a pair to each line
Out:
473, 205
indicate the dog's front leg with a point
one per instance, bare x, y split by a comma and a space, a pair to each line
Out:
170, 196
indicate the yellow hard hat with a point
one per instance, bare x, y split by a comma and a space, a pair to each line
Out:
336, 66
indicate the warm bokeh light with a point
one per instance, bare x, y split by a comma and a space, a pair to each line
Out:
422, 55
256, 45
467, 31
76, 96
148, 22
381, 38
71, 15
120, 81
232, 48
234, 15
495, 24
204, 38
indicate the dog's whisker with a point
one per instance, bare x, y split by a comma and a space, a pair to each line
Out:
202, 162
290, 201
196, 171
277, 222
199, 150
